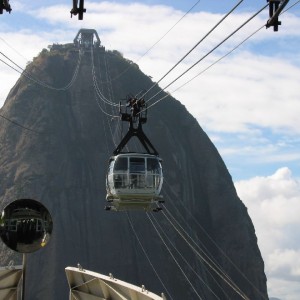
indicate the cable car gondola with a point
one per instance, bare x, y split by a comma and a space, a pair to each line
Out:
134, 180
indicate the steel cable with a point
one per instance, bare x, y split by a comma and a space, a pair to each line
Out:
186, 262
39, 82
214, 63
193, 48
145, 253
208, 53
173, 257
224, 278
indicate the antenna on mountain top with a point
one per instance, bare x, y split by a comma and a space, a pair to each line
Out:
275, 8
78, 9
4, 5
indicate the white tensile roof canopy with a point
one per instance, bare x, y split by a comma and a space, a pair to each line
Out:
87, 285
10, 278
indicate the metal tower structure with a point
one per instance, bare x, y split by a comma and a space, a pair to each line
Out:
87, 38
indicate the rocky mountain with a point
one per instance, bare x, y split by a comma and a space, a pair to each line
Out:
62, 161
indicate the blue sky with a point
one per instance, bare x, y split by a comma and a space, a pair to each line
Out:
248, 103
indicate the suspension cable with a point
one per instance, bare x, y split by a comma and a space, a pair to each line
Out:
39, 82
170, 29
208, 53
214, 63
11, 47
203, 251
183, 258
173, 256
19, 125
145, 253
207, 68
163, 36
201, 40
215, 244
227, 54
110, 92
199, 241
109, 95
224, 278
215, 264
97, 89
98, 93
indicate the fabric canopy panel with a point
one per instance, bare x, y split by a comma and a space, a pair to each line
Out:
87, 285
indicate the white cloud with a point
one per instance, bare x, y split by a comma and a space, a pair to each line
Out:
247, 89
281, 286
287, 260
274, 205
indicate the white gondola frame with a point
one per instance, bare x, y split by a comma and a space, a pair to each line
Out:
137, 189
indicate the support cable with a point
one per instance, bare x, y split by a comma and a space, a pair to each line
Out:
109, 83
19, 125
213, 278
162, 37
99, 105
183, 258
214, 243
145, 253
39, 82
205, 251
208, 53
103, 121
32, 79
110, 95
214, 63
173, 256
201, 40
98, 93
11, 47
227, 54
216, 265
224, 278
100, 96
297, 2
170, 29
97, 89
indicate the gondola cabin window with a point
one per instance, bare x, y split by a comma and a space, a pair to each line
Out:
137, 172
153, 173
134, 174
120, 173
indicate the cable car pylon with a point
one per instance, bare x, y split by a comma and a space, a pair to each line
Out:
134, 179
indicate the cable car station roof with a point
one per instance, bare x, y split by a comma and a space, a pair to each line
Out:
87, 285
9, 280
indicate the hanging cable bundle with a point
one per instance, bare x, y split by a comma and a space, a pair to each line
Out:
39, 82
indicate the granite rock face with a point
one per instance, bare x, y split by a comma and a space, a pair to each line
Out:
62, 163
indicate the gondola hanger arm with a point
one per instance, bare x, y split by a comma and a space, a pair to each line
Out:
275, 9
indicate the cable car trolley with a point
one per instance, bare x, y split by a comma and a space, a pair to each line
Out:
134, 180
